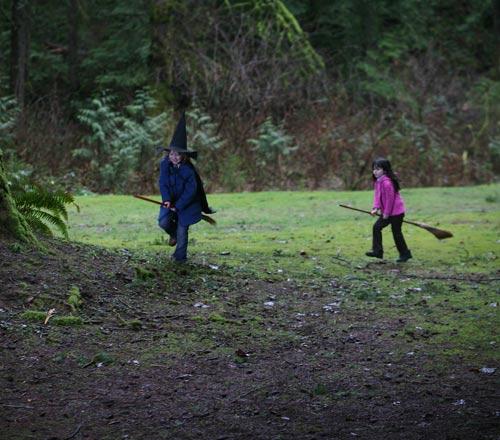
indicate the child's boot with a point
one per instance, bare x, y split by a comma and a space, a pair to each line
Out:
404, 257
375, 254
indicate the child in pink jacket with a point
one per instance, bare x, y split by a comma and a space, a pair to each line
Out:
389, 205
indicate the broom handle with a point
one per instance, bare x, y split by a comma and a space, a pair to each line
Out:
203, 216
368, 212
148, 199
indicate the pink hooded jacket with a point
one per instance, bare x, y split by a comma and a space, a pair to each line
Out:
386, 198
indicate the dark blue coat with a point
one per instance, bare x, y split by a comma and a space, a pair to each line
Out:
178, 186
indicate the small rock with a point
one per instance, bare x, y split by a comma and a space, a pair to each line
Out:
459, 402
201, 305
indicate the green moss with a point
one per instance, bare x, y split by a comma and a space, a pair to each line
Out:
34, 315
143, 274
174, 344
100, 358
74, 298
67, 320
216, 317
320, 390
134, 324
198, 318
39, 316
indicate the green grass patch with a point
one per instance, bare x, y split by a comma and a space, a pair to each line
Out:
307, 239
280, 234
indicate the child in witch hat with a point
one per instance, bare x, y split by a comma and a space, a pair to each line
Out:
387, 203
182, 192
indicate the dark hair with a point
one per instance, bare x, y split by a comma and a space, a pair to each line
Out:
384, 164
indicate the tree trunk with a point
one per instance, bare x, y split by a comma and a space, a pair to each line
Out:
496, 23
19, 49
73, 45
170, 86
12, 223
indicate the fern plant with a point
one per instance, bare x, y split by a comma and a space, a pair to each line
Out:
42, 208
272, 143
9, 111
119, 141
203, 131
8, 115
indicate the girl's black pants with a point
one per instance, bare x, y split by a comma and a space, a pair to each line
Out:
396, 221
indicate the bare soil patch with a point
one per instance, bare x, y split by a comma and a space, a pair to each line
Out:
193, 351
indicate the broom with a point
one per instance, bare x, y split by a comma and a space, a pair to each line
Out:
440, 234
203, 216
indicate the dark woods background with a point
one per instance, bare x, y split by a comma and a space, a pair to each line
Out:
289, 94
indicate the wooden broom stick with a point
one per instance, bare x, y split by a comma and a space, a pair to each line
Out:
203, 216
440, 234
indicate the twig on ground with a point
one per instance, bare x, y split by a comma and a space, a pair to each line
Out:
77, 430
347, 262
16, 406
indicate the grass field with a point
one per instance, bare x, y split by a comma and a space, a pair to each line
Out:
306, 237
270, 230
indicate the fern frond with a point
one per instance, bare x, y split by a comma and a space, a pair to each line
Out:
41, 207
35, 217
39, 226
38, 197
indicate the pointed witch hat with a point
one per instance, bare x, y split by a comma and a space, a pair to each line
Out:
179, 139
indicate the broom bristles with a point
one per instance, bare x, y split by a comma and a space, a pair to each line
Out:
440, 234
208, 219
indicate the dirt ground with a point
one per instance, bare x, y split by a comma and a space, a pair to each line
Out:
153, 361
